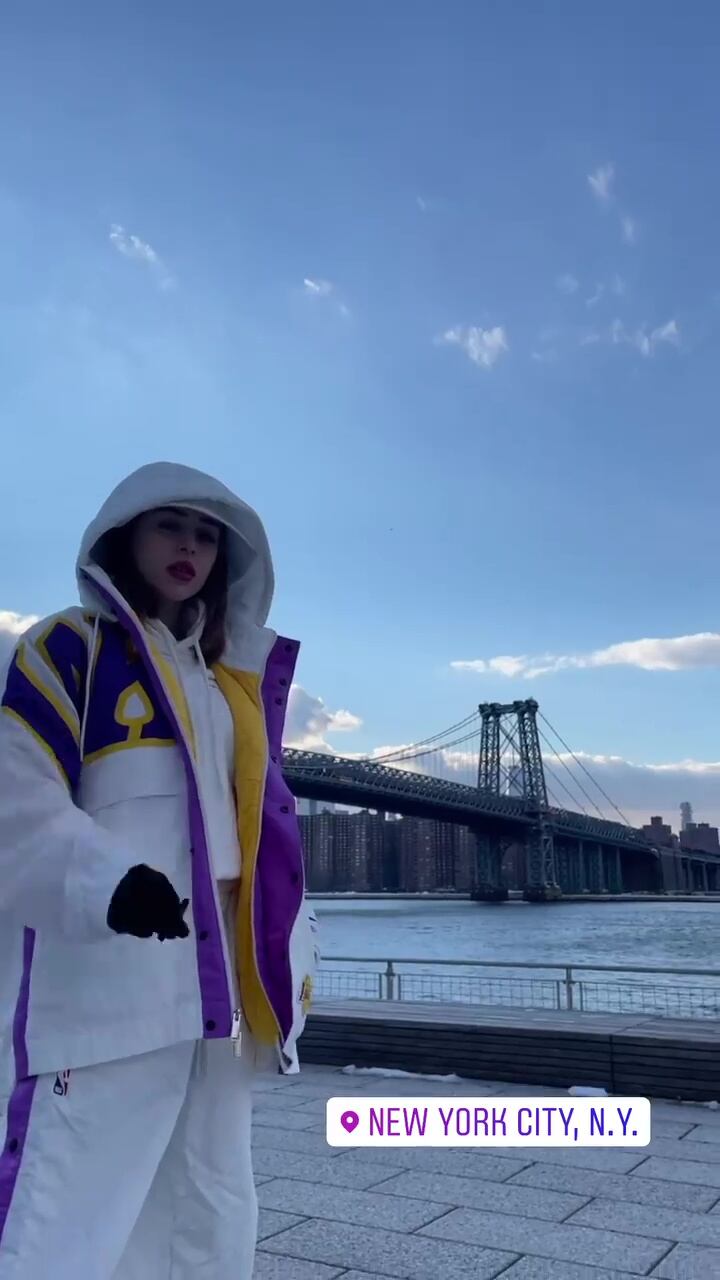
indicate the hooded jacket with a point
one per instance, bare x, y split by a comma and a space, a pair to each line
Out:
99, 771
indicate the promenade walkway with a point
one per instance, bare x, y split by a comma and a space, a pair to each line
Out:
442, 1214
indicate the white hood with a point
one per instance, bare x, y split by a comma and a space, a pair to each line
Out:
160, 484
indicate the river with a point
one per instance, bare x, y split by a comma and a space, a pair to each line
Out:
653, 933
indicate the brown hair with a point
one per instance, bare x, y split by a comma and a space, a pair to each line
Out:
117, 558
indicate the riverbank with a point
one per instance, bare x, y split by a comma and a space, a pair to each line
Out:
515, 896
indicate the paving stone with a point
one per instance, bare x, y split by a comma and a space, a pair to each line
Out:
383, 1087
549, 1269
616, 1186
492, 1196
692, 1112
286, 1116
548, 1240
688, 1171
292, 1140
704, 1133
260, 1178
683, 1149
363, 1275
644, 1220
362, 1208
317, 1106
530, 1091
270, 1267
688, 1262
461, 1164
391, 1253
270, 1221
601, 1159
320, 1169
296, 1097
672, 1129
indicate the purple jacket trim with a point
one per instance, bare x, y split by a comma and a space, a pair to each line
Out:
212, 972
279, 877
20, 1105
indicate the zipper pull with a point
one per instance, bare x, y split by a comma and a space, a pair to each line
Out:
235, 1033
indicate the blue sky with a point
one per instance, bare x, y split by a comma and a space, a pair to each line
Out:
436, 288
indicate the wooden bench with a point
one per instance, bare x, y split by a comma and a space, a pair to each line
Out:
637, 1055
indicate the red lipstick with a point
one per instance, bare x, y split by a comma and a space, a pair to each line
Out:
182, 571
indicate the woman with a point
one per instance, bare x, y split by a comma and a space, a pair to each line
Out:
155, 947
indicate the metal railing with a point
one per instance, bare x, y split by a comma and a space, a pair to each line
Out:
589, 988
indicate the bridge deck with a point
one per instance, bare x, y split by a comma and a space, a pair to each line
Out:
658, 1057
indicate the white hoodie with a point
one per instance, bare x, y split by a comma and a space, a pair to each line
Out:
214, 739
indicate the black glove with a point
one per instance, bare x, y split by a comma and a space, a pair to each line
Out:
145, 903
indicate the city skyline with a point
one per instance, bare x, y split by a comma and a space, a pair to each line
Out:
369, 851
459, 350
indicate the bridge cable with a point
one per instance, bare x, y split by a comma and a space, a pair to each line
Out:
577, 783
573, 799
587, 772
400, 752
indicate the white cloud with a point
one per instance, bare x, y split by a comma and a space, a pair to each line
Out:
674, 653
629, 229
131, 246
639, 789
483, 346
318, 288
594, 298
421, 204
618, 286
309, 720
646, 342
601, 181
567, 284
12, 626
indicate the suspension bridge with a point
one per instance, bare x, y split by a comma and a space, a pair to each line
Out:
509, 776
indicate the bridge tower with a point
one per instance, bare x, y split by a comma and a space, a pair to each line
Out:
511, 763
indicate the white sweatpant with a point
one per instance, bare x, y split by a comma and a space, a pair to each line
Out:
140, 1171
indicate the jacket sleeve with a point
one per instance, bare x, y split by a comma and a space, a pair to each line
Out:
58, 869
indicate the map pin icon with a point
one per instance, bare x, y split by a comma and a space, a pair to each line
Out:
349, 1120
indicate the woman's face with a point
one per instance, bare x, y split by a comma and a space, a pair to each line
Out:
175, 549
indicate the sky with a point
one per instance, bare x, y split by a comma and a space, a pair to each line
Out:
433, 287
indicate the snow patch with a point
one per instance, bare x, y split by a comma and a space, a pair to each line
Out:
394, 1073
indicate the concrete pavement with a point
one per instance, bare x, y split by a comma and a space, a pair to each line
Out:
451, 1214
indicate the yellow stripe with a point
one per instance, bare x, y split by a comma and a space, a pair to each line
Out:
72, 721
8, 711
133, 744
242, 692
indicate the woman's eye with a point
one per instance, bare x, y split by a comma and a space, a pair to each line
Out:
169, 526
207, 535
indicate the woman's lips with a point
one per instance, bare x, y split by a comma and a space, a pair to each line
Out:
183, 571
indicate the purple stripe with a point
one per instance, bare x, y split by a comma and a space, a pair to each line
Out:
18, 1116
22, 1006
279, 877
212, 971
33, 708
68, 650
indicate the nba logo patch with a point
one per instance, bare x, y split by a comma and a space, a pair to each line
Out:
62, 1084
